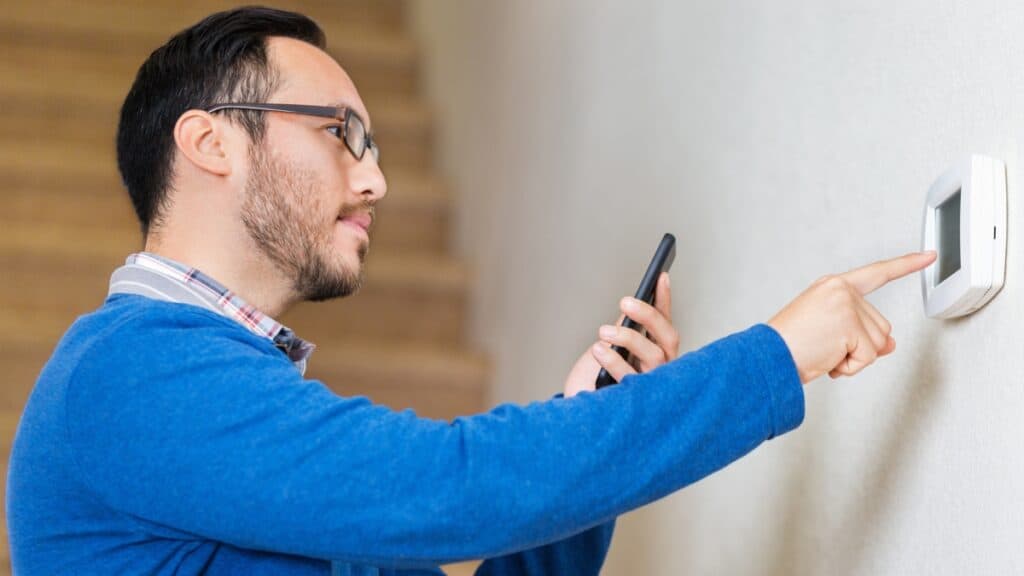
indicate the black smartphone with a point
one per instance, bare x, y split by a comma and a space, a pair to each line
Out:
662, 262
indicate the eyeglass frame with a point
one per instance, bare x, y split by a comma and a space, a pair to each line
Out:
342, 114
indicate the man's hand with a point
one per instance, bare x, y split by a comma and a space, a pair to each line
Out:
659, 346
831, 329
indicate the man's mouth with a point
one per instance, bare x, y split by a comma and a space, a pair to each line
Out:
362, 221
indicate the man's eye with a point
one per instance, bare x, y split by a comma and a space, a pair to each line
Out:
336, 131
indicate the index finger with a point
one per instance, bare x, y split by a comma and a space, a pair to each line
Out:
867, 279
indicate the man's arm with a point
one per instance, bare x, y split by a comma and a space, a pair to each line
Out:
188, 421
211, 431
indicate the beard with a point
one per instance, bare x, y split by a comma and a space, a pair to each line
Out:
284, 214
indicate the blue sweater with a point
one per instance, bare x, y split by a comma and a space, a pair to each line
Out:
162, 438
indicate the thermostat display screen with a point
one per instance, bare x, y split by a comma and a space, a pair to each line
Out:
947, 221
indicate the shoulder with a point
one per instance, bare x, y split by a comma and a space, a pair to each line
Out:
136, 325
136, 345
153, 359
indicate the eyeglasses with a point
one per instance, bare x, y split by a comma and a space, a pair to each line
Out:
353, 131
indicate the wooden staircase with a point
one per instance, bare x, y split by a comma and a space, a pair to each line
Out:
67, 222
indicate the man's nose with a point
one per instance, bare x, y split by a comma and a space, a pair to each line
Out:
368, 179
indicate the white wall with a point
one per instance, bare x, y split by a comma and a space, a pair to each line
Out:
778, 141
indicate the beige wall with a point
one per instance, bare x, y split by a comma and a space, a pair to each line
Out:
779, 141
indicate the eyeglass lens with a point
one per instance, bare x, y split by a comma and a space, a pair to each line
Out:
355, 137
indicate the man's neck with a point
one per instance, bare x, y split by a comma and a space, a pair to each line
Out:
245, 273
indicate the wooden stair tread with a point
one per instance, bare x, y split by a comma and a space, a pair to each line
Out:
35, 63
462, 367
157, 20
8, 424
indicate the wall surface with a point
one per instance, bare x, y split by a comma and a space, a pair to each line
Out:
779, 141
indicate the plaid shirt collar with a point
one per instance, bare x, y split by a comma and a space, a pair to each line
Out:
143, 272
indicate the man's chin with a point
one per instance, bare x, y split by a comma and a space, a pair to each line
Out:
332, 289
343, 277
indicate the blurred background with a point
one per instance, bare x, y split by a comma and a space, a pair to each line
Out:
536, 153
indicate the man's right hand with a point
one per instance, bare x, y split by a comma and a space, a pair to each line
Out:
831, 329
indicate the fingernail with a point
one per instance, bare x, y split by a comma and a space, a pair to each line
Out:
629, 304
600, 350
608, 331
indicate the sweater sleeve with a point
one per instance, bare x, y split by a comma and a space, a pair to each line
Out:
582, 555
210, 431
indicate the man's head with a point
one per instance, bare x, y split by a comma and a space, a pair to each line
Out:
280, 188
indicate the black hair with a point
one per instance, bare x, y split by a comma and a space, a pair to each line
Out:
219, 59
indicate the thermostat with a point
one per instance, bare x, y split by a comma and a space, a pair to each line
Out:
965, 222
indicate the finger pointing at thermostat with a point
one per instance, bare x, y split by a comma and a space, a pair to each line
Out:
831, 329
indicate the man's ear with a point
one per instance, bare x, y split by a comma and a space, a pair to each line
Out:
200, 139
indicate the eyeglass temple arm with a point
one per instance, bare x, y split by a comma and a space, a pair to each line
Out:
324, 111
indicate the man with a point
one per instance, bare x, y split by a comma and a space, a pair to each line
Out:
172, 431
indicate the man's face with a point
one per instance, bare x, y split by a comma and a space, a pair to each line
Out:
307, 201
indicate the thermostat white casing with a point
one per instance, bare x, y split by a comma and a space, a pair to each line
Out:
965, 222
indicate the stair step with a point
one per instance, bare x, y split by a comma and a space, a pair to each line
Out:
21, 373
413, 218
59, 133
8, 424
382, 72
371, 46
437, 383
382, 61
405, 298
156, 18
